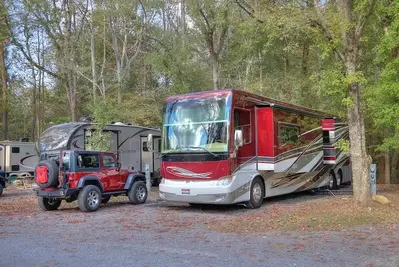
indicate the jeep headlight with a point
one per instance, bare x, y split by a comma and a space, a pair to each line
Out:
224, 181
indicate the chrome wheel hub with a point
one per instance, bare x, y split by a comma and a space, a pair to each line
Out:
339, 179
92, 198
140, 193
331, 182
257, 192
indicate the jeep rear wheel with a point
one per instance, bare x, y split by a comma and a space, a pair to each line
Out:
48, 203
138, 193
89, 198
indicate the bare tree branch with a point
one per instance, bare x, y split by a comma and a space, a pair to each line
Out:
249, 12
363, 20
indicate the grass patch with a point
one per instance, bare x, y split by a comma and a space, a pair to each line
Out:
327, 213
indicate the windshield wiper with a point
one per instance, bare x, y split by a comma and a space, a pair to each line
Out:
203, 148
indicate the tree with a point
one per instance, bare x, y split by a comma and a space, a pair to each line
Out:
213, 21
344, 38
4, 41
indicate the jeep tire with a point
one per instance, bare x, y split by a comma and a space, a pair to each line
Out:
52, 173
138, 193
48, 203
89, 198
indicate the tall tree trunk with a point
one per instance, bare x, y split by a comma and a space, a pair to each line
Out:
93, 55
359, 158
215, 72
395, 167
3, 75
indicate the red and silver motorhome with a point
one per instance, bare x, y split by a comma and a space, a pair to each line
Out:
231, 146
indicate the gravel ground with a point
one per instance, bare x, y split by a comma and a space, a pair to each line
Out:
172, 234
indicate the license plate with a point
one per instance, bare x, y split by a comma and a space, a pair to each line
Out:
185, 191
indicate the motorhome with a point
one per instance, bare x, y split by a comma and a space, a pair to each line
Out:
128, 142
232, 146
17, 157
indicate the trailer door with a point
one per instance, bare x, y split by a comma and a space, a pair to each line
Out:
157, 156
146, 156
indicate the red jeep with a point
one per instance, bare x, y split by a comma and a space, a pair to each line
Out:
87, 176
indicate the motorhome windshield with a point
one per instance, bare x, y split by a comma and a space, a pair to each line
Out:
196, 124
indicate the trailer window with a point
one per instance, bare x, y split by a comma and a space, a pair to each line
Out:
145, 147
87, 161
288, 135
15, 149
242, 121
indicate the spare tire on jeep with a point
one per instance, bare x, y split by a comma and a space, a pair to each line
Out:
46, 173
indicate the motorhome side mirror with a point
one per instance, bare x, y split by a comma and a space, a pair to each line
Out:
238, 139
150, 142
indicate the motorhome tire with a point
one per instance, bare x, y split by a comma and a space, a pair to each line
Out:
105, 199
138, 193
257, 193
52, 173
89, 198
338, 179
332, 181
48, 203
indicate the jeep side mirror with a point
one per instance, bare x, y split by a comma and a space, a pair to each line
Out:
150, 141
238, 138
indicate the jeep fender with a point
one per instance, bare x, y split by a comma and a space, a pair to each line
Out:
132, 178
94, 180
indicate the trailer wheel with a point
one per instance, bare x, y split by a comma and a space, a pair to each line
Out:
46, 173
105, 199
257, 193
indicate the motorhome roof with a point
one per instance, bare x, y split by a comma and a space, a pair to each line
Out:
258, 99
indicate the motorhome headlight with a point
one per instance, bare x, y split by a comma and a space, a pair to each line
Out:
224, 181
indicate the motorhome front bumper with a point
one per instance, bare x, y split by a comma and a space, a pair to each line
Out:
203, 192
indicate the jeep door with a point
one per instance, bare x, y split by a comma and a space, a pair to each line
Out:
111, 177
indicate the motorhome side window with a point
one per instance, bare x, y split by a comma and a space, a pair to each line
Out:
88, 161
15, 149
288, 134
242, 121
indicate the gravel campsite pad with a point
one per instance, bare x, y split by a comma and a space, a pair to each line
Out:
294, 230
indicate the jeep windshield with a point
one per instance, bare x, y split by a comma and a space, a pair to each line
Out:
196, 125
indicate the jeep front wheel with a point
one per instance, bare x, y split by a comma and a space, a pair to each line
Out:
138, 193
48, 203
89, 198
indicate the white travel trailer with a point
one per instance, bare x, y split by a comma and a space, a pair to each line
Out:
17, 157
128, 142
